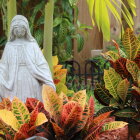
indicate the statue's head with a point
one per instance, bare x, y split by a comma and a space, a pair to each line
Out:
20, 28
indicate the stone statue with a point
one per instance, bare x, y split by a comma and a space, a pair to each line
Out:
23, 68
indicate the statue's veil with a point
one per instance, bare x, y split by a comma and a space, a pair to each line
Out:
23, 20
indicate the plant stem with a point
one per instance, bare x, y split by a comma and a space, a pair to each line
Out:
11, 12
48, 33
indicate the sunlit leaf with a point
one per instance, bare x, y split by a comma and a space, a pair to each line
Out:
131, 44
20, 111
114, 56
41, 118
133, 69
55, 60
80, 97
112, 80
52, 102
114, 125
122, 89
9, 118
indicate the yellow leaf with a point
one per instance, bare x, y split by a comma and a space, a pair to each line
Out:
114, 125
20, 111
80, 97
55, 60
133, 69
64, 97
57, 68
61, 75
114, 56
52, 102
131, 44
60, 87
9, 118
41, 118
112, 79
122, 89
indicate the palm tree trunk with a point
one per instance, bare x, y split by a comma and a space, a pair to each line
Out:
48, 33
11, 12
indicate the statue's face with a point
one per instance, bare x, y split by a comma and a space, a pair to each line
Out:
19, 31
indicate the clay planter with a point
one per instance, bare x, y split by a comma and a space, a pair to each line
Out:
95, 53
36, 138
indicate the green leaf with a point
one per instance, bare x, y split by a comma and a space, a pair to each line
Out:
97, 13
112, 79
80, 42
102, 94
91, 6
133, 69
113, 11
127, 112
122, 89
57, 21
69, 45
20, 111
63, 30
131, 44
113, 55
113, 103
105, 22
73, 2
104, 110
83, 26
132, 5
38, 36
114, 125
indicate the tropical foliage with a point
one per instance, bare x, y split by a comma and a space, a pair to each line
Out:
59, 76
64, 119
16, 122
121, 91
99, 12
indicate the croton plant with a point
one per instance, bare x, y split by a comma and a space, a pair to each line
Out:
59, 118
121, 91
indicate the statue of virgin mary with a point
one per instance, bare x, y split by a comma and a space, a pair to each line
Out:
23, 68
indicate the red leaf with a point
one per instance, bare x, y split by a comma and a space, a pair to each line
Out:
137, 60
58, 130
66, 110
56, 81
94, 132
6, 104
101, 117
120, 67
31, 103
73, 118
41, 108
91, 107
22, 134
8, 137
33, 117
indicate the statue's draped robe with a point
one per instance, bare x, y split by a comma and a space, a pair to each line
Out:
23, 70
